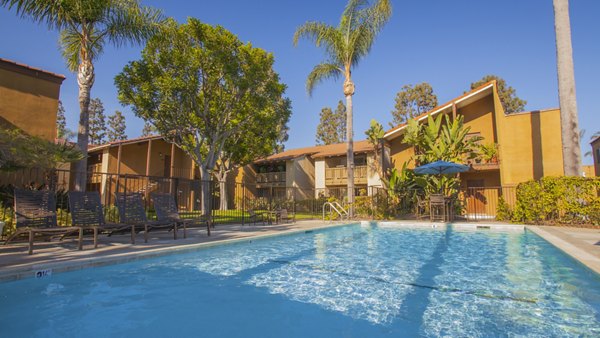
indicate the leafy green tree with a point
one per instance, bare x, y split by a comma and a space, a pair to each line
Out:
508, 95
412, 101
97, 124
569, 122
61, 122
116, 127
62, 132
441, 139
149, 129
345, 46
19, 150
332, 125
200, 86
374, 136
85, 27
242, 148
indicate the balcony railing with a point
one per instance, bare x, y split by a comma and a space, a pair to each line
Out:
94, 171
269, 178
339, 176
492, 164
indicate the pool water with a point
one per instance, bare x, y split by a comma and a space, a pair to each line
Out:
352, 281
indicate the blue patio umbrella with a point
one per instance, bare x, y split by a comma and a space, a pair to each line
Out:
441, 168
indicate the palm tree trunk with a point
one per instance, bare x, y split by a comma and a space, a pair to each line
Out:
566, 90
349, 91
85, 80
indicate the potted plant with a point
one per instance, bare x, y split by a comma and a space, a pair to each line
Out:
489, 153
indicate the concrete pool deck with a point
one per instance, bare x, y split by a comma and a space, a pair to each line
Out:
15, 263
63, 256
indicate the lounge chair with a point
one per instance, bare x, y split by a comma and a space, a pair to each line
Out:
131, 211
285, 216
86, 211
36, 214
166, 211
254, 217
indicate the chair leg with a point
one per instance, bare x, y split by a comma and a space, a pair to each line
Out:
175, 231
145, 233
95, 237
31, 242
80, 245
184, 230
133, 234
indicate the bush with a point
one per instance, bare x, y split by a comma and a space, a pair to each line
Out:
564, 200
503, 212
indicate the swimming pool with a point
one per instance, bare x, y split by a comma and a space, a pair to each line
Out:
351, 281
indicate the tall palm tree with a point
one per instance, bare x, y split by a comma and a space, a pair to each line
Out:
85, 27
569, 123
345, 46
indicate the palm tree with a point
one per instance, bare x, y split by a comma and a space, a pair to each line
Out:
85, 27
566, 90
345, 46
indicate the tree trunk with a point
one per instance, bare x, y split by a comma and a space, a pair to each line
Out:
205, 195
349, 91
566, 90
85, 80
223, 195
221, 177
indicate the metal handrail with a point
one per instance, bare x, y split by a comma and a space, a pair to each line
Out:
335, 206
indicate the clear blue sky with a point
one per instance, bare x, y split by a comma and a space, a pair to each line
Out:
446, 43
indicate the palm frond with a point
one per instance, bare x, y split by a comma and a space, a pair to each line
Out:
128, 22
322, 72
72, 43
55, 14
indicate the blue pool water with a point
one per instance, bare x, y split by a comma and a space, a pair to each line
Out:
352, 281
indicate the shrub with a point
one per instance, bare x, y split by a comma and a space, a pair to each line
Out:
503, 212
565, 200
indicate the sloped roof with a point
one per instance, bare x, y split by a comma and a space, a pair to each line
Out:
337, 149
96, 147
28, 70
466, 98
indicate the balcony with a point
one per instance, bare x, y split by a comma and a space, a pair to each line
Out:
94, 171
492, 164
272, 178
339, 176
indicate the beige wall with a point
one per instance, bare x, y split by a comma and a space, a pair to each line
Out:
29, 102
302, 174
530, 146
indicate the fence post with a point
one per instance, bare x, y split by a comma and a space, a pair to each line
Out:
243, 203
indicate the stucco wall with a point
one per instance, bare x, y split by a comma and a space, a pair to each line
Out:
304, 173
479, 116
29, 103
319, 174
530, 146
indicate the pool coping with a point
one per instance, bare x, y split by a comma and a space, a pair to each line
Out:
29, 271
573, 250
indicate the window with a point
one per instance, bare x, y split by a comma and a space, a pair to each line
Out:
597, 155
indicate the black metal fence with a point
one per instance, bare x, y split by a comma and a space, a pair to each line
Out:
231, 202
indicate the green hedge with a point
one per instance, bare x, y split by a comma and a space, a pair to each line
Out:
562, 200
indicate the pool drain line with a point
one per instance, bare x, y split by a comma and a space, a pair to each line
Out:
431, 287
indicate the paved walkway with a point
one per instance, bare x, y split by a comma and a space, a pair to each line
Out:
581, 244
15, 263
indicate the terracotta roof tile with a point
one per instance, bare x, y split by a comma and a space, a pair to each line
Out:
337, 149
34, 69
